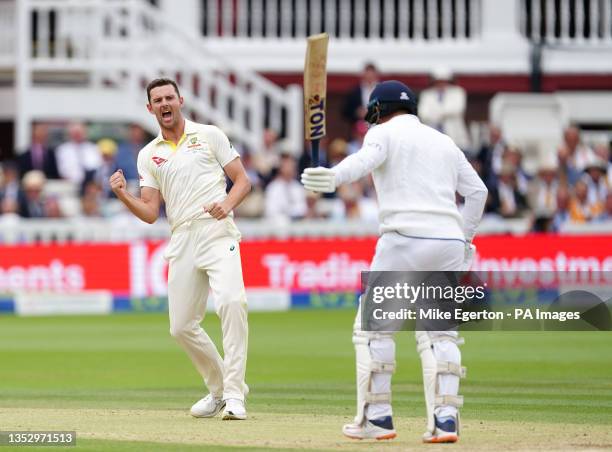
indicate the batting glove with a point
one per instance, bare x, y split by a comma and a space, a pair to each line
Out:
468, 256
319, 179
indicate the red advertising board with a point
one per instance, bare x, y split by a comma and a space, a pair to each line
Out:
64, 268
307, 264
138, 269
541, 252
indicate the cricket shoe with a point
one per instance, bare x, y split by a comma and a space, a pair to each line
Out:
209, 406
234, 410
445, 431
381, 428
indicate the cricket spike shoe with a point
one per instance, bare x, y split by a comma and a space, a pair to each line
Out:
209, 406
445, 431
234, 410
381, 428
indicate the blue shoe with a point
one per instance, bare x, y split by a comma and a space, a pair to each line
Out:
445, 431
381, 428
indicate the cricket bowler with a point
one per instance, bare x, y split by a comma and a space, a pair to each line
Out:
416, 172
186, 165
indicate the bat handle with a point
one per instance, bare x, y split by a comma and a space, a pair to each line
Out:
314, 147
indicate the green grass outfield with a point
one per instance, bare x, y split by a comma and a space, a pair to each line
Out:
122, 383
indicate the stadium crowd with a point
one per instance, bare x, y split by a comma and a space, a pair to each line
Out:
571, 183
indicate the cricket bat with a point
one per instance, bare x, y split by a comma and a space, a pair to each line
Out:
315, 92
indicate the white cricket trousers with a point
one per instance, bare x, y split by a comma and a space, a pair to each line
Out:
396, 252
202, 255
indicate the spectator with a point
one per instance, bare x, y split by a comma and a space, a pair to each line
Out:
285, 197
352, 205
312, 206
337, 151
562, 215
602, 150
606, 215
108, 152
127, 152
580, 209
9, 182
77, 159
9, 190
53, 208
247, 162
358, 133
579, 153
9, 207
32, 201
476, 164
356, 101
267, 159
91, 200
442, 106
39, 156
514, 158
490, 156
596, 180
506, 199
542, 196
568, 174
253, 205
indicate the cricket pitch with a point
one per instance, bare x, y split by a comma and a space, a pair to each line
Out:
294, 431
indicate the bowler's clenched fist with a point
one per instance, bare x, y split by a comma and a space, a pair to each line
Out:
117, 181
216, 210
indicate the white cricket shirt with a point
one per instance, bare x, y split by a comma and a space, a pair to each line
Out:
189, 175
416, 172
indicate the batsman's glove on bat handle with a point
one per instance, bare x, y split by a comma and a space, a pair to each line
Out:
319, 179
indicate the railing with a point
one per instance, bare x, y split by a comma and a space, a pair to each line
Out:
553, 21
122, 44
65, 27
7, 32
14, 230
343, 19
567, 21
125, 229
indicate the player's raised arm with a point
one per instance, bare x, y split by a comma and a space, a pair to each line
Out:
354, 167
387, 99
371, 155
146, 207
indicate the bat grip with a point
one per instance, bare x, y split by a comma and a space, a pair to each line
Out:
314, 147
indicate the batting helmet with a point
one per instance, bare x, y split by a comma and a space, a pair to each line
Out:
389, 97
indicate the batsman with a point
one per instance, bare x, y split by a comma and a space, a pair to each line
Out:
417, 171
